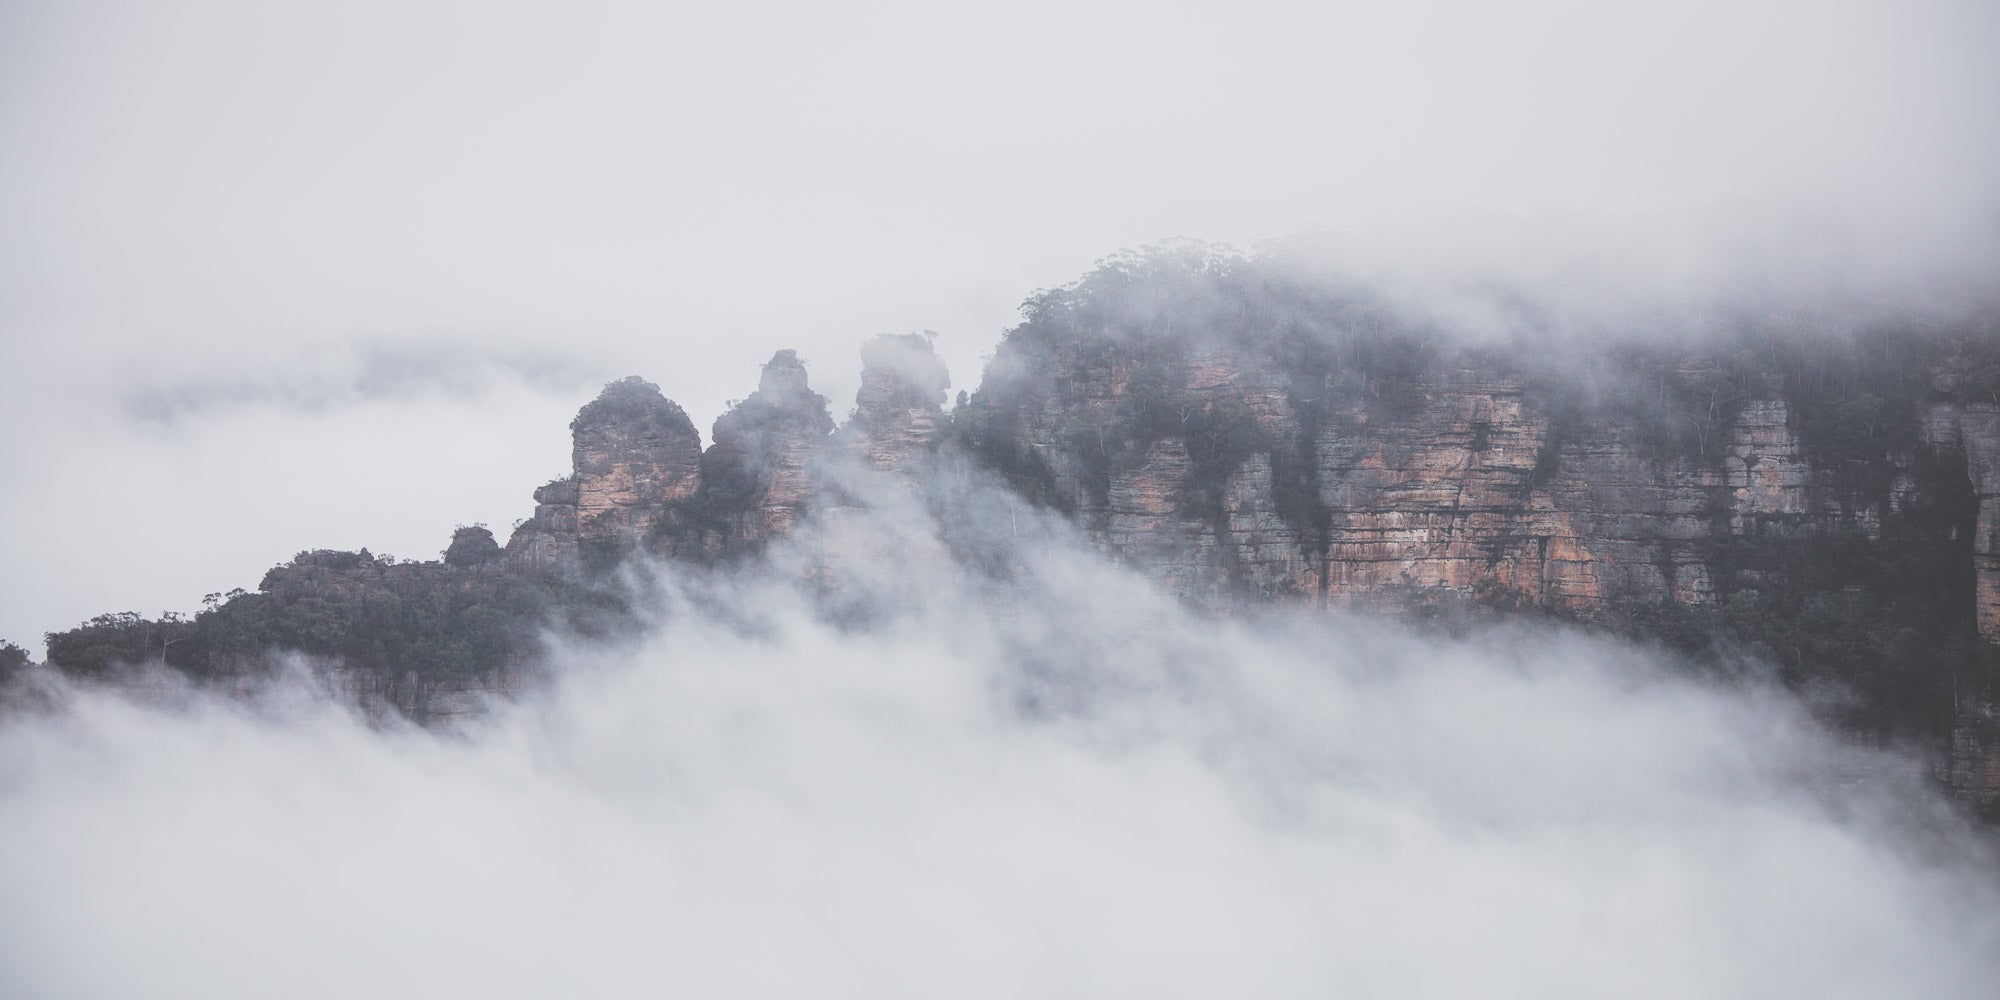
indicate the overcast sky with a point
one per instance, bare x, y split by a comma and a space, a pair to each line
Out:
277, 276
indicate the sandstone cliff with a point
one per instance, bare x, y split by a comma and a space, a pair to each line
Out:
1825, 499
641, 479
760, 470
635, 455
899, 412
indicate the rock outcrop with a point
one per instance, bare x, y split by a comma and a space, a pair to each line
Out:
899, 411
635, 452
640, 477
635, 455
760, 472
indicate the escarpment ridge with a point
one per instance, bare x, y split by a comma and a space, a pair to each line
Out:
1826, 501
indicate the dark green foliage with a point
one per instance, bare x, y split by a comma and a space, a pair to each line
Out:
1854, 401
423, 617
601, 554
1135, 323
1315, 394
13, 660
471, 546
1220, 437
109, 641
1670, 405
1888, 621
995, 434
633, 402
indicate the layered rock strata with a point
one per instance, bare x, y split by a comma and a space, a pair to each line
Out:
634, 455
1469, 485
641, 478
761, 468
899, 411
1472, 482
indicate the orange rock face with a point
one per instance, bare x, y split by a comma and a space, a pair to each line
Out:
634, 451
634, 454
1461, 483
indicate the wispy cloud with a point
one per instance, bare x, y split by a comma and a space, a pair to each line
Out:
364, 372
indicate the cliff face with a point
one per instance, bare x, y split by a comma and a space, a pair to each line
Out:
635, 455
1215, 428
1829, 501
635, 452
1973, 430
761, 468
1232, 474
899, 412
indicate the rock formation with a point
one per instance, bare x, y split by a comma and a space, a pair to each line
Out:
1832, 510
760, 470
640, 477
635, 455
899, 411
1829, 505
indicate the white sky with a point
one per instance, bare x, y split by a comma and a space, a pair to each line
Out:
373, 255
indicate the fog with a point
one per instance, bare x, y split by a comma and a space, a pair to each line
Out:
214, 214
278, 276
1034, 776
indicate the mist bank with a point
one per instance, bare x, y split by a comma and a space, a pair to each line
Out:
1026, 772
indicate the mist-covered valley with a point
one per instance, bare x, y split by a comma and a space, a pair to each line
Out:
1016, 770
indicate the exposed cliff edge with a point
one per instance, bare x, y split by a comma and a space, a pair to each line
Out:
634, 454
1828, 501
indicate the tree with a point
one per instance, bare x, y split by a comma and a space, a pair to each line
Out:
471, 546
103, 643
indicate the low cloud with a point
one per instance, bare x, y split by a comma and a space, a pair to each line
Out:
1000, 770
1660, 277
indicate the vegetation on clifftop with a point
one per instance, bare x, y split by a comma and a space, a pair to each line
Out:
465, 616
